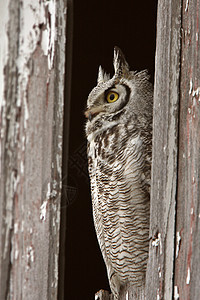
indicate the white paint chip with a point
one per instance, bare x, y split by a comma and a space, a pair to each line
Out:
16, 254
30, 255
48, 195
188, 276
186, 6
16, 227
56, 271
22, 167
159, 272
43, 210
191, 86
44, 42
178, 240
158, 296
196, 92
127, 296
176, 294
157, 242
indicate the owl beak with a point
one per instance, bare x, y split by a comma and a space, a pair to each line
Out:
90, 113
90, 116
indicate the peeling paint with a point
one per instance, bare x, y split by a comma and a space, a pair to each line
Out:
32, 17
52, 192
158, 295
186, 6
4, 17
16, 227
159, 272
44, 42
49, 35
188, 276
157, 242
16, 254
178, 240
127, 296
48, 195
22, 167
43, 210
176, 294
59, 163
9, 207
191, 86
30, 256
56, 270
51, 28
37, 22
196, 92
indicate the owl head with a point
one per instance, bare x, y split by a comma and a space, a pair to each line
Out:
123, 95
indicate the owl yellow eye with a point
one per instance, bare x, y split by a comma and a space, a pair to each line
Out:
112, 97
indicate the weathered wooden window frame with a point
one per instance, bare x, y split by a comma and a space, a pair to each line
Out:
32, 75
31, 162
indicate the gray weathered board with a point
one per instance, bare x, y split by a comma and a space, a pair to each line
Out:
32, 67
174, 261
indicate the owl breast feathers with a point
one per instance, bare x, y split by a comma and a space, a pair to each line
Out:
119, 134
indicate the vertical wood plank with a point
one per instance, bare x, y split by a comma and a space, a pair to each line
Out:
31, 148
187, 263
8, 56
159, 281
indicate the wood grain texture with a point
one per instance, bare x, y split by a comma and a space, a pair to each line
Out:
159, 281
187, 263
31, 149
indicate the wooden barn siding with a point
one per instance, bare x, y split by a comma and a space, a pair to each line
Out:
31, 111
165, 151
174, 261
187, 256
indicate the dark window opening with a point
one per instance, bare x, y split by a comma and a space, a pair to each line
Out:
98, 27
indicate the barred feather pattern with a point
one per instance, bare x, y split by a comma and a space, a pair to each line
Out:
119, 163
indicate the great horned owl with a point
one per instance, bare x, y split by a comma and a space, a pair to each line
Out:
119, 134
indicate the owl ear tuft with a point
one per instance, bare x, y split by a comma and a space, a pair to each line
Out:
120, 64
102, 76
